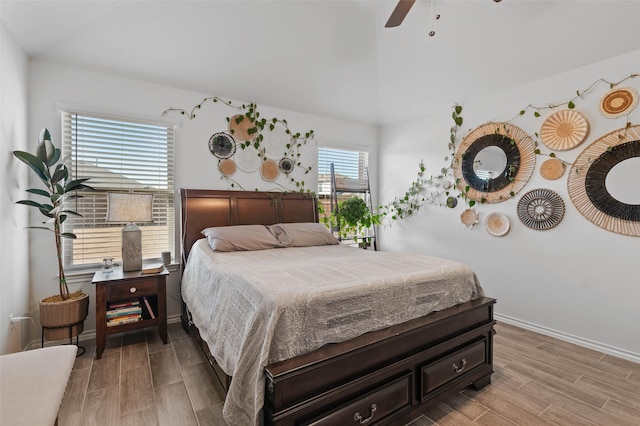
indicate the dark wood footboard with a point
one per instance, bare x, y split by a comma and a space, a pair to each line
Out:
385, 377
388, 376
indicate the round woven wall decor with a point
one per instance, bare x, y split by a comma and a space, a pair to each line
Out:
248, 159
286, 165
239, 126
469, 218
541, 209
586, 182
564, 130
497, 224
276, 139
619, 102
269, 170
222, 145
227, 167
552, 169
519, 149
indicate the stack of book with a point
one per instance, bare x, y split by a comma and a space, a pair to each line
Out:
124, 312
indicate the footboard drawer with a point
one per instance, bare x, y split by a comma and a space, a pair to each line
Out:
451, 366
370, 407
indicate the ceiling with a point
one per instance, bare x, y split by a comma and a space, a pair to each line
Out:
332, 58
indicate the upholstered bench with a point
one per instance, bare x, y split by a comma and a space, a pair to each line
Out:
32, 384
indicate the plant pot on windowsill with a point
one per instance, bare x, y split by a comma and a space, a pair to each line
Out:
64, 319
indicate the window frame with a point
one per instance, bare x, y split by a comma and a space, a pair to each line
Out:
324, 198
163, 228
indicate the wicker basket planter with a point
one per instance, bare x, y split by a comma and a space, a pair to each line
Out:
64, 319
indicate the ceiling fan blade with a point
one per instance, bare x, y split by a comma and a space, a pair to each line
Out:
399, 13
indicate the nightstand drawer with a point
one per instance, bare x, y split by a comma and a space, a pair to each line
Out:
137, 288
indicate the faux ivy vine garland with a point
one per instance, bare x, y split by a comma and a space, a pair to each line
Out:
258, 125
571, 104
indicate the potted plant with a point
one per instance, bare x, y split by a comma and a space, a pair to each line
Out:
354, 218
62, 315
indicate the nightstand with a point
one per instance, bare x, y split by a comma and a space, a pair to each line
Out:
121, 295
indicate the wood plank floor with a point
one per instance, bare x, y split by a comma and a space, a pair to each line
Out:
538, 380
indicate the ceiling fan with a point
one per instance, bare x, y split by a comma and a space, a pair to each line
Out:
401, 10
399, 13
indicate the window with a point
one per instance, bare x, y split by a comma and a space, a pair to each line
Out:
347, 164
118, 156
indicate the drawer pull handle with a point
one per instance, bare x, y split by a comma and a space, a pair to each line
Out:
132, 290
459, 369
358, 418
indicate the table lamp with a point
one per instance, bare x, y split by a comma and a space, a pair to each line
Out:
129, 207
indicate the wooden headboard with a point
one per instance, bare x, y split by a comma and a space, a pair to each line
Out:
204, 208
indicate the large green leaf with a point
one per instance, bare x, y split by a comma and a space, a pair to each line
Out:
46, 212
33, 162
30, 203
72, 196
46, 151
39, 227
61, 173
39, 192
44, 135
56, 157
76, 184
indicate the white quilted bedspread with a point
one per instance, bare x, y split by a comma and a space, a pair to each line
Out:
255, 308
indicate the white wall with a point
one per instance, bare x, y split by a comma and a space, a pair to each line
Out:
576, 281
196, 167
14, 268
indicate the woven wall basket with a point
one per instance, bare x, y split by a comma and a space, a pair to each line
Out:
519, 149
56, 317
586, 182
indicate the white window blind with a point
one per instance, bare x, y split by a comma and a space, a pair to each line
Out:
346, 163
118, 156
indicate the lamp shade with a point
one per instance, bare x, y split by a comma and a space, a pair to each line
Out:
127, 207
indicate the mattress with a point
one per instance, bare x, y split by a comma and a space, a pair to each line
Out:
253, 308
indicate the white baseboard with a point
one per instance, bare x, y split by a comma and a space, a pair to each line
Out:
601, 347
86, 335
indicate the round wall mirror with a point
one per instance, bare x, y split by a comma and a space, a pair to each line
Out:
490, 163
495, 161
603, 182
623, 181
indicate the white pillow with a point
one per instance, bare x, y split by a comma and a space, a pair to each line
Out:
303, 234
240, 237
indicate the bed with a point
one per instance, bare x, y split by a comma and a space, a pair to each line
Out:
298, 372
